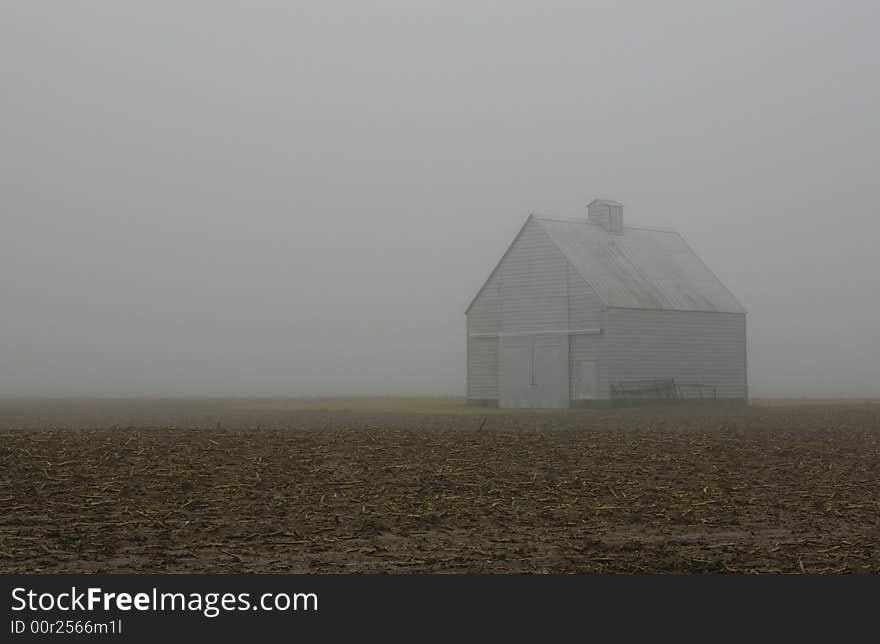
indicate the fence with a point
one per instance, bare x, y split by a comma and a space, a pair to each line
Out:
661, 389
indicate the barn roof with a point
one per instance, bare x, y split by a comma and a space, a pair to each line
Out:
643, 268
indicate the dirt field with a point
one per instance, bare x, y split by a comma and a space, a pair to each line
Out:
432, 486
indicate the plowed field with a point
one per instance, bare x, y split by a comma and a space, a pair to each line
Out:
251, 486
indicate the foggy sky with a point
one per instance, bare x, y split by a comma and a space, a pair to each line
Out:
301, 198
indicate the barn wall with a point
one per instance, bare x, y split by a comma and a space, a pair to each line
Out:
690, 346
534, 288
586, 311
534, 284
482, 377
484, 316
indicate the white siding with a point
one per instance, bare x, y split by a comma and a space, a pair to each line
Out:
689, 346
585, 309
483, 368
534, 284
534, 288
484, 316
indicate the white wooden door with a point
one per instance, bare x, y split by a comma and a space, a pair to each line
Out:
533, 371
515, 372
550, 356
586, 381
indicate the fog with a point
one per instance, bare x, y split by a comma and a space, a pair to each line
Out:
301, 198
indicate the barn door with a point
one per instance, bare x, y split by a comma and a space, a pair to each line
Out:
515, 372
551, 371
585, 380
533, 371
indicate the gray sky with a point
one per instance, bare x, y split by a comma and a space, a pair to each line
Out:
297, 198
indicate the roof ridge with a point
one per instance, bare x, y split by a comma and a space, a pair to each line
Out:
658, 229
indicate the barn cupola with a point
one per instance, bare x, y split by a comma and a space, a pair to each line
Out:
606, 213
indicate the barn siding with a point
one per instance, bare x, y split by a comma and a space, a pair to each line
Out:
534, 288
482, 369
690, 346
585, 309
484, 316
534, 284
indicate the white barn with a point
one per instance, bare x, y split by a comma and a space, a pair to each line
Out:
592, 312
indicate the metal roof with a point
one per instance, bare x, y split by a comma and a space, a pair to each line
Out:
644, 268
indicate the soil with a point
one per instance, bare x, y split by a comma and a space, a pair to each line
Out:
248, 487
